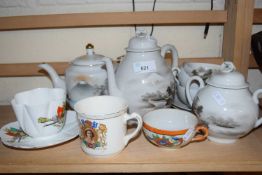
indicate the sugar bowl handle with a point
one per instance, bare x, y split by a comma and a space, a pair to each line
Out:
255, 99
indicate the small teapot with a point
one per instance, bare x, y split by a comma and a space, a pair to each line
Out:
225, 104
85, 76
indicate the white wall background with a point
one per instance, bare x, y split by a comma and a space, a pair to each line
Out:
66, 44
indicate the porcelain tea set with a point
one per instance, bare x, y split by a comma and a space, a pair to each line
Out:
213, 101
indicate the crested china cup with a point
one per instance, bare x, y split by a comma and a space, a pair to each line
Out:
172, 128
40, 112
226, 105
103, 124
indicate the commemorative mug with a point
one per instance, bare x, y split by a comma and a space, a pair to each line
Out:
103, 124
40, 112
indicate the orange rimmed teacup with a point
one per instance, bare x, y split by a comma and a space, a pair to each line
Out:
172, 128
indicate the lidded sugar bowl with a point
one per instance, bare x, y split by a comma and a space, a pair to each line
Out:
226, 104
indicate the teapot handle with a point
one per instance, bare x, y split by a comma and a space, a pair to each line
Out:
176, 71
188, 84
255, 99
169, 47
112, 86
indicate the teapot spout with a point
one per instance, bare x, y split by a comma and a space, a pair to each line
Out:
112, 86
56, 80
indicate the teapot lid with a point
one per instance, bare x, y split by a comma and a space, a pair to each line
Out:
142, 42
90, 58
227, 77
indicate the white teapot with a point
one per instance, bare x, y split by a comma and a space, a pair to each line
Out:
225, 104
143, 77
85, 76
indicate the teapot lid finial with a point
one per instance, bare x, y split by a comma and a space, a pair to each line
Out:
227, 67
89, 46
142, 42
90, 49
141, 33
90, 58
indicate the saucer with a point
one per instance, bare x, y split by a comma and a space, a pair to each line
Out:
12, 135
177, 103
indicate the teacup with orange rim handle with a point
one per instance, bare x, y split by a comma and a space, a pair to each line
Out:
172, 128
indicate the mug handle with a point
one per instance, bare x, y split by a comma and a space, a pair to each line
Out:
255, 99
188, 84
138, 128
198, 138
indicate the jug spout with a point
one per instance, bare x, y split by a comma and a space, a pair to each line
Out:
56, 80
112, 86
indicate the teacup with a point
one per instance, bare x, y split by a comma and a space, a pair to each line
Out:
172, 128
181, 93
187, 70
103, 124
40, 112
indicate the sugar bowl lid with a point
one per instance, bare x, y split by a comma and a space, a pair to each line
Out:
227, 77
91, 58
142, 42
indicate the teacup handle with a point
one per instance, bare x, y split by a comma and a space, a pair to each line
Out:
138, 128
188, 84
198, 138
255, 99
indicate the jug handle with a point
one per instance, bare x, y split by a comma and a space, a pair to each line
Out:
168, 47
255, 99
188, 84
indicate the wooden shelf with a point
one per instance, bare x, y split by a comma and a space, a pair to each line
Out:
31, 69
111, 19
141, 156
237, 18
138, 156
117, 19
